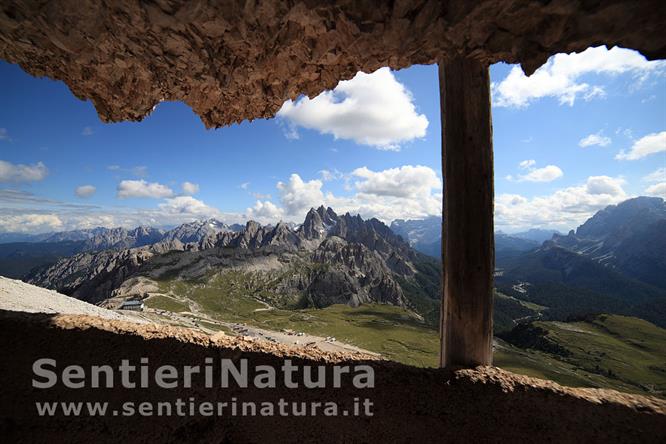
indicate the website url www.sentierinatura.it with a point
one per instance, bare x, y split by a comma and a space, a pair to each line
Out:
191, 407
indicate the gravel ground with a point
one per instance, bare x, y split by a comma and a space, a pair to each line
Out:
18, 296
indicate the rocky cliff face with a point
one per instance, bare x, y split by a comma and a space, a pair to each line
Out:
351, 273
92, 276
237, 60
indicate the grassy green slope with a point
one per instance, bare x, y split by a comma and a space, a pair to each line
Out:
166, 303
546, 366
394, 332
607, 351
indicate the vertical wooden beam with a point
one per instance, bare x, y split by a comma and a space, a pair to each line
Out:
468, 249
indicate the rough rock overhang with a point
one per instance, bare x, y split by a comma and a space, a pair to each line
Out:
235, 60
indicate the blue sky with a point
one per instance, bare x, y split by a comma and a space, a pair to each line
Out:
588, 129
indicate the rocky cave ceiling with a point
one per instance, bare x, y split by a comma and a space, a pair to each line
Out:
236, 60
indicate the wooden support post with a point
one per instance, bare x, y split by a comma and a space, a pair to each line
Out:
468, 248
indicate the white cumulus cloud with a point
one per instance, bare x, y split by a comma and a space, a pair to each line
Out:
30, 223
26, 212
533, 174
371, 109
564, 209
190, 188
187, 205
560, 77
594, 139
10, 172
407, 192
85, 191
298, 196
265, 212
404, 181
141, 188
651, 144
527, 163
545, 174
658, 189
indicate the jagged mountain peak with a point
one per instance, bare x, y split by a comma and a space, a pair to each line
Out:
318, 223
327, 215
252, 226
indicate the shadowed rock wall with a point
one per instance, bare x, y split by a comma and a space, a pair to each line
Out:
235, 60
410, 404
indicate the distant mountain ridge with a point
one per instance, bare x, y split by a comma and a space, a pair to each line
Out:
425, 235
60, 236
101, 238
19, 257
615, 262
629, 238
538, 235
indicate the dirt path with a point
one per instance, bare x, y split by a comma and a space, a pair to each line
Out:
300, 339
18, 296
194, 319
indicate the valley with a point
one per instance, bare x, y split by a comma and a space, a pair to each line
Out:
605, 351
393, 332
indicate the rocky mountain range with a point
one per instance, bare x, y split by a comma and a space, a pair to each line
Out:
101, 238
326, 260
629, 237
25, 252
615, 263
